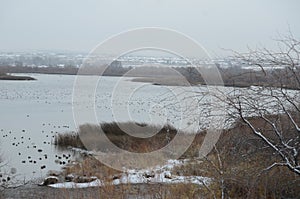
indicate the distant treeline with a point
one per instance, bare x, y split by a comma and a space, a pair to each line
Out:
115, 69
232, 76
239, 77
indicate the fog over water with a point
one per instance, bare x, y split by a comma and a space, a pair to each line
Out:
81, 25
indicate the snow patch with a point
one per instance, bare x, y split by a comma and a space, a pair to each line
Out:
160, 174
70, 185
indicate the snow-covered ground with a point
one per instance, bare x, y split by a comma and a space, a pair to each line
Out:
159, 174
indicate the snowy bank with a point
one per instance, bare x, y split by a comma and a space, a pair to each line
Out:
159, 174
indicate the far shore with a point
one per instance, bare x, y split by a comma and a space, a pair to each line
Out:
174, 81
14, 77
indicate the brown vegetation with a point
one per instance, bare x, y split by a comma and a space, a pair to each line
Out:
116, 133
237, 166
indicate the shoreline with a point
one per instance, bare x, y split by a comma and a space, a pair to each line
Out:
14, 77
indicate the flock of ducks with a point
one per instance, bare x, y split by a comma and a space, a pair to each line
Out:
36, 152
31, 150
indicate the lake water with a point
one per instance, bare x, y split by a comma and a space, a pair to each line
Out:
32, 112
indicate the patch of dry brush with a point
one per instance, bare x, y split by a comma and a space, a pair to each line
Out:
236, 165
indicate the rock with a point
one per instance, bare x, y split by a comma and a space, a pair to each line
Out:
168, 175
117, 176
53, 173
49, 180
69, 177
149, 175
85, 179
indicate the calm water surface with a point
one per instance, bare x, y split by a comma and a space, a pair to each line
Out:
32, 112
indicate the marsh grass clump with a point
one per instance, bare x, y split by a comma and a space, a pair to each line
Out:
130, 136
141, 138
71, 139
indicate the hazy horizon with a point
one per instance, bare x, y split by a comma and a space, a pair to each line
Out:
79, 26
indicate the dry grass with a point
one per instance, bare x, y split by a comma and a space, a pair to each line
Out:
243, 160
94, 136
91, 167
68, 139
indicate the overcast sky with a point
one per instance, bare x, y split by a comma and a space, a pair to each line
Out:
81, 24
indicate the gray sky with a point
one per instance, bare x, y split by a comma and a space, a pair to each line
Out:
81, 24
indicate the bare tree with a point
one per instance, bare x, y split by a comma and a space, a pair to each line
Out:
271, 110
